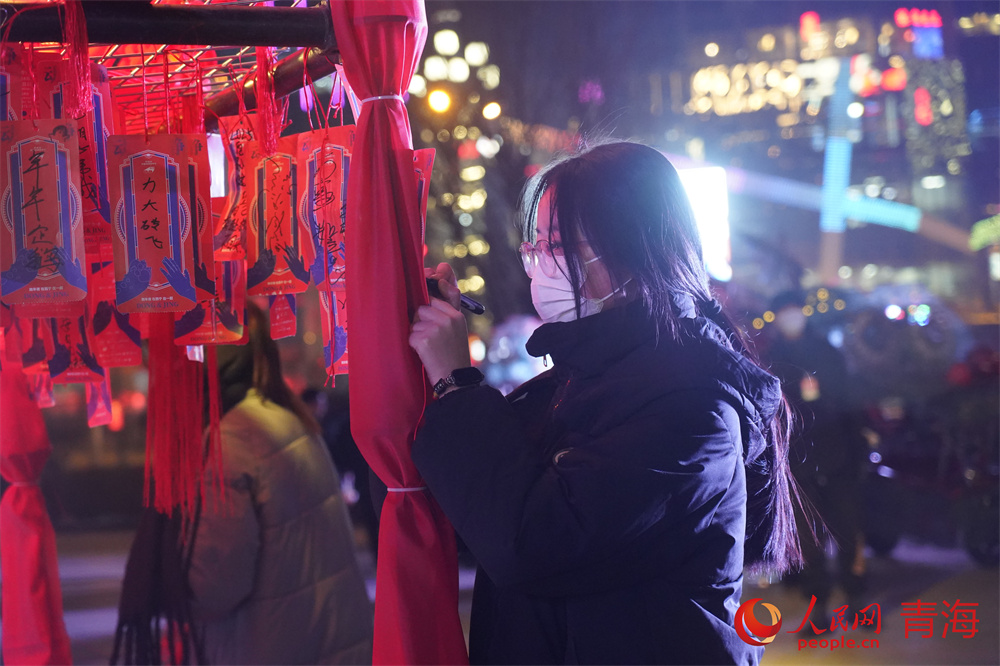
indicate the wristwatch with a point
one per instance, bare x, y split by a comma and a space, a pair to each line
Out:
460, 377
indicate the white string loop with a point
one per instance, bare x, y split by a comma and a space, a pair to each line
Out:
372, 99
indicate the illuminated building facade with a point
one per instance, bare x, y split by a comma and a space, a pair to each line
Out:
862, 118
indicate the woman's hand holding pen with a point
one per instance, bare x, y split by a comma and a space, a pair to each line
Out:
439, 333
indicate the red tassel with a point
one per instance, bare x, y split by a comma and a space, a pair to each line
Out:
214, 417
174, 452
80, 100
267, 106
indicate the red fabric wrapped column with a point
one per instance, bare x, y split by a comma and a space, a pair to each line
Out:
33, 628
416, 604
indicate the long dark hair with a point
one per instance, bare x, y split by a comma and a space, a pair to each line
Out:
627, 201
267, 377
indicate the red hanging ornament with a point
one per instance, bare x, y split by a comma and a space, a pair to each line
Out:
175, 456
77, 53
214, 452
267, 106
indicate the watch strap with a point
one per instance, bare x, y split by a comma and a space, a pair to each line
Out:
461, 377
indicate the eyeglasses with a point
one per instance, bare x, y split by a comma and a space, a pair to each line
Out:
540, 255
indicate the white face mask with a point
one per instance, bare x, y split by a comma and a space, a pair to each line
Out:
553, 296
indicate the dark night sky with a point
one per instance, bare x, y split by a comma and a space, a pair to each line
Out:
546, 48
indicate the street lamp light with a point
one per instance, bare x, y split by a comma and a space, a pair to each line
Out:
477, 53
458, 70
435, 68
446, 42
439, 100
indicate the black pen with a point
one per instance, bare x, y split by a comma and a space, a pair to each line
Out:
473, 306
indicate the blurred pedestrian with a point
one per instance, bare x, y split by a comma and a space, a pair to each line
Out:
613, 501
274, 576
332, 411
270, 575
828, 454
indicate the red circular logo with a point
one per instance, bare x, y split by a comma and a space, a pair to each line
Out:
751, 630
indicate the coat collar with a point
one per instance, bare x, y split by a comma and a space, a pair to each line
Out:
593, 343
590, 345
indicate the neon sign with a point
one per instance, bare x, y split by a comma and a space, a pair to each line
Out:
917, 18
922, 111
808, 25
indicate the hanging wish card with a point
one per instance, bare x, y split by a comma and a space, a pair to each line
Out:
41, 235
95, 187
220, 321
98, 402
72, 359
242, 151
282, 311
92, 133
197, 184
36, 345
324, 163
153, 226
116, 341
11, 81
279, 245
46, 310
333, 314
42, 390
27, 78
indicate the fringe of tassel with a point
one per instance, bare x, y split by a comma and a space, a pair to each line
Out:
176, 458
79, 100
268, 110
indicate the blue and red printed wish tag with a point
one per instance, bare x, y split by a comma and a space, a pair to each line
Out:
92, 133
43, 90
99, 404
333, 316
220, 321
282, 311
41, 235
116, 340
242, 152
94, 185
196, 184
279, 246
36, 345
154, 259
324, 163
73, 358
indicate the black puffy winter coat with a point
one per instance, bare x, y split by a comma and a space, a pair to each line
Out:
605, 500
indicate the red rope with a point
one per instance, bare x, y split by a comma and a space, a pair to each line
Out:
267, 105
79, 100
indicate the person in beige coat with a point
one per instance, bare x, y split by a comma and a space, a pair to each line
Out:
274, 576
